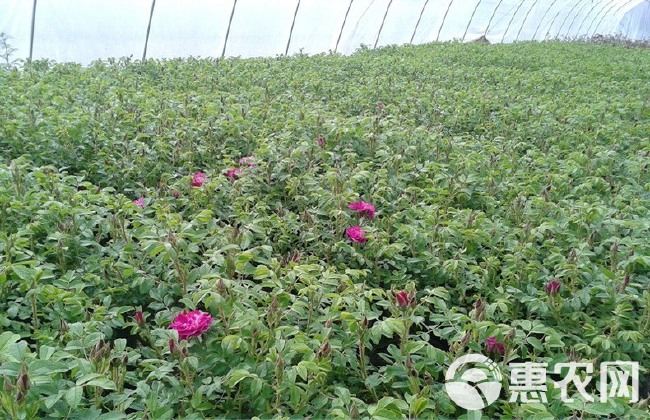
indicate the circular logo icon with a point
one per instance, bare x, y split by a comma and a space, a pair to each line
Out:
473, 381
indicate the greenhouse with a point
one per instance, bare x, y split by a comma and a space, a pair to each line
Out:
343, 209
82, 31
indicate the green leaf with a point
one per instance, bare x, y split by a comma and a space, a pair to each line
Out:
73, 396
103, 383
256, 386
24, 273
52, 399
83, 379
414, 346
536, 343
393, 325
119, 344
261, 272
296, 394
11, 349
231, 343
7, 338
418, 405
40, 367
599, 408
204, 216
236, 376
301, 370
474, 415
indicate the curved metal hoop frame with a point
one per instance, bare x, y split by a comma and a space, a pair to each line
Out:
588, 22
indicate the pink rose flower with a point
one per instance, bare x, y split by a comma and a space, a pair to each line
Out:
198, 179
176, 194
364, 209
233, 173
191, 324
321, 141
139, 202
494, 346
356, 234
248, 160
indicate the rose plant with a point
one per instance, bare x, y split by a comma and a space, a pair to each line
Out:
505, 212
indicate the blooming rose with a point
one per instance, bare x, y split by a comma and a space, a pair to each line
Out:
191, 324
139, 202
553, 287
248, 160
356, 234
233, 173
364, 209
494, 346
198, 179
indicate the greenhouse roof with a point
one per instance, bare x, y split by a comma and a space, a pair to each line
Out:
82, 31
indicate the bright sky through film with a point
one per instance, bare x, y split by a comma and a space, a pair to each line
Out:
83, 30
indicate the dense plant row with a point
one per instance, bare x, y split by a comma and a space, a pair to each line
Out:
324, 234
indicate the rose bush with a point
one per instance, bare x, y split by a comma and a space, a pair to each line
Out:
495, 170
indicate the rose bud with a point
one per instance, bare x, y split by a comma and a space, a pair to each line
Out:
139, 318
553, 287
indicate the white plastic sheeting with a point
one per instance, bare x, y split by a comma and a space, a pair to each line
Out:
83, 30
637, 21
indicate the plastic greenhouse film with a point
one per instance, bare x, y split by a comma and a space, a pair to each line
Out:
15, 22
82, 31
317, 26
260, 28
198, 29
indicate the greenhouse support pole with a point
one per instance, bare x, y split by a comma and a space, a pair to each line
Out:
487, 29
382, 23
418, 22
146, 40
553, 21
615, 13
470, 20
336, 47
585, 19
31, 35
443, 19
539, 25
524, 21
574, 19
225, 41
596, 17
511, 19
611, 5
286, 51
567, 17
